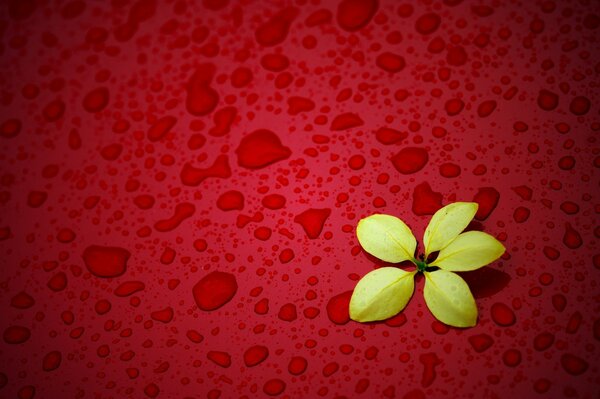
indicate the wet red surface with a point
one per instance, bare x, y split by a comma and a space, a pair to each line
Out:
180, 183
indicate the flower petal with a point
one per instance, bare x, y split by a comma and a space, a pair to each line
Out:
446, 224
381, 294
469, 251
386, 237
449, 299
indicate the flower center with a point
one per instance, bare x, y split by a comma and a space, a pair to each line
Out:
421, 265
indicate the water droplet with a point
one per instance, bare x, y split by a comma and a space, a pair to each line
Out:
481, 342
96, 100
161, 127
255, 355
390, 62
573, 365
274, 387
16, 335
547, 100
275, 30
353, 15
502, 315
219, 358
201, 99
428, 23
214, 290
312, 221
410, 160
261, 148
288, 312
346, 121
51, 361
231, 200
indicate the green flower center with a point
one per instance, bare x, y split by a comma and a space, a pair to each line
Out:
421, 265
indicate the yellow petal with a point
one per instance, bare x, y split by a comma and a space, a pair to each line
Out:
386, 237
446, 224
469, 251
449, 299
381, 294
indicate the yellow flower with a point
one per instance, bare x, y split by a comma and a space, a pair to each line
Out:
384, 292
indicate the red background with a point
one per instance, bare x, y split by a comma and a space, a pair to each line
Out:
75, 170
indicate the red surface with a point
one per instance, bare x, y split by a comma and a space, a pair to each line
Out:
146, 145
